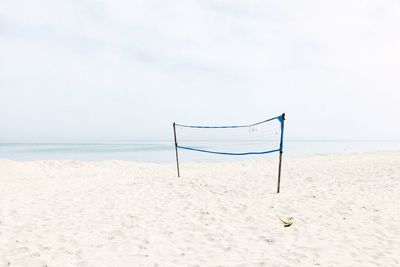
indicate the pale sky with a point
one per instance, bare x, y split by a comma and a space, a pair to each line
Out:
112, 70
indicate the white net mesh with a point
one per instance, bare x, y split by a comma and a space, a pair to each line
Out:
258, 138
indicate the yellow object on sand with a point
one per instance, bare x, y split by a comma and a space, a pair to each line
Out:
287, 221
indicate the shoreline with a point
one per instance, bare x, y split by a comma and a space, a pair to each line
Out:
237, 159
164, 152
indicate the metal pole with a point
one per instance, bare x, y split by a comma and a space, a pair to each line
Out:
281, 151
176, 151
279, 174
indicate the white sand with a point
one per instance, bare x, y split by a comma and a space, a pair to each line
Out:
346, 211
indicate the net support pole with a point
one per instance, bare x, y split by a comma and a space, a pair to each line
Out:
281, 152
176, 150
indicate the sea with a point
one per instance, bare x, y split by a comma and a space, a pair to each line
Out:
164, 150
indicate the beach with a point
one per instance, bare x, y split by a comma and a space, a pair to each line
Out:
345, 209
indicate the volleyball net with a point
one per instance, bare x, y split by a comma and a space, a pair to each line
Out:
234, 140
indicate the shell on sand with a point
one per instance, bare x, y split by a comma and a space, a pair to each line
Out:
287, 221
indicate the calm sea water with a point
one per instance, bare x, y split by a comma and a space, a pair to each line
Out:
163, 151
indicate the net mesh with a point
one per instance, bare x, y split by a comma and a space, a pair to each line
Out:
259, 138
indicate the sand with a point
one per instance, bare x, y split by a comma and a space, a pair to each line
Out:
346, 211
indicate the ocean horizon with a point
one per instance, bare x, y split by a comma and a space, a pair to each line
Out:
163, 150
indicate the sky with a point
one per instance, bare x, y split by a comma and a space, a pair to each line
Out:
125, 70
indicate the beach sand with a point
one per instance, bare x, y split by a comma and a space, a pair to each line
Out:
346, 211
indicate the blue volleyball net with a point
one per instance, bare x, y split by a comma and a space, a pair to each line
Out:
235, 140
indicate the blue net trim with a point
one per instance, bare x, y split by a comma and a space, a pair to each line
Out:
234, 126
228, 153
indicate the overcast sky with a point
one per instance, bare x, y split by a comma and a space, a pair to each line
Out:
112, 70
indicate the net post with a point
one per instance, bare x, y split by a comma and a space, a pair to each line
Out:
281, 152
176, 150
